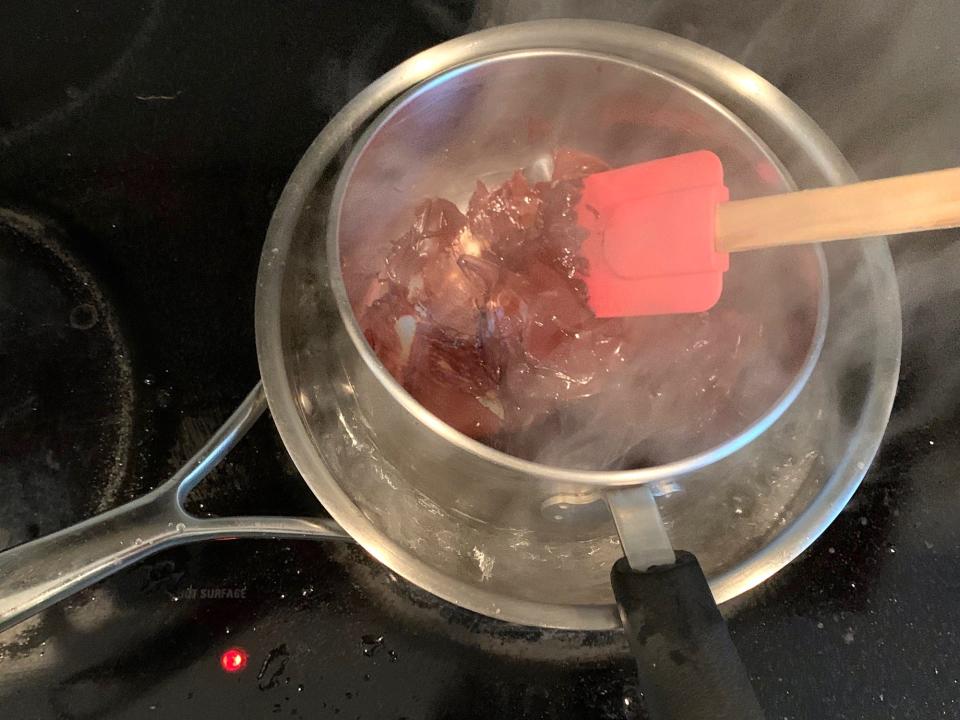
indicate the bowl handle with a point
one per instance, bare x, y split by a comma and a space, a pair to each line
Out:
688, 666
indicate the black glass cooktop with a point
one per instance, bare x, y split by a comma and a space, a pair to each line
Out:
142, 149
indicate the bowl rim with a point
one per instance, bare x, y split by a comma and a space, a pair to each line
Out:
510, 463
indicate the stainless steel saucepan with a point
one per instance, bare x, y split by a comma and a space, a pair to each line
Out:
510, 538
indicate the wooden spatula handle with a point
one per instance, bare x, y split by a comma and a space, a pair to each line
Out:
924, 201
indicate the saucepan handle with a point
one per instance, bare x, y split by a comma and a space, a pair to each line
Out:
42, 572
688, 666
39, 573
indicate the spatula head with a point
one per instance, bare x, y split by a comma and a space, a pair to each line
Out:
651, 247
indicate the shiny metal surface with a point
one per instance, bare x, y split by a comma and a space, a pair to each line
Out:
474, 122
38, 574
640, 528
745, 516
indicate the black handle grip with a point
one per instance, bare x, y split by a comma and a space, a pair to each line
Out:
689, 667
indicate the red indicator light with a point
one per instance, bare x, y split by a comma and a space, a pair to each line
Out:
234, 660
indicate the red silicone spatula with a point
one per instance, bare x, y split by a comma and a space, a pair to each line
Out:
660, 232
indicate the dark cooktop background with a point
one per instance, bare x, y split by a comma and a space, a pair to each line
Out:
142, 148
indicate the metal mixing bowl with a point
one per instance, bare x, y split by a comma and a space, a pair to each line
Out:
481, 529
482, 120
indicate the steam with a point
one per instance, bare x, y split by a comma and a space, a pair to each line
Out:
847, 101
833, 71
929, 289
880, 78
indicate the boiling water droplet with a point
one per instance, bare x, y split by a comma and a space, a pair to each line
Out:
371, 643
